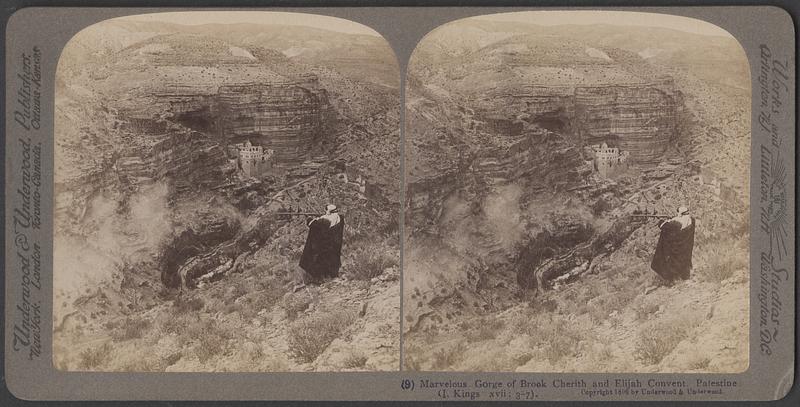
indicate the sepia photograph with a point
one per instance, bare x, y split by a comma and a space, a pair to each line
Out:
577, 196
227, 195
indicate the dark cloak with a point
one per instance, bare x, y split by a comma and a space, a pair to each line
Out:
322, 254
673, 257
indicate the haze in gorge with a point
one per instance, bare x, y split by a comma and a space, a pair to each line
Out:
529, 138
169, 255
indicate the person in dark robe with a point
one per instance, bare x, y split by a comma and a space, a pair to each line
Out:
673, 257
322, 253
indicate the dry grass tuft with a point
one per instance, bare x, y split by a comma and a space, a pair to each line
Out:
296, 303
555, 335
133, 328
445, 358
355, 360
310, 336
410, 362
369, 262
211, 339
263, 299
701, 363
486, 330
720, 260
183, 306
92, 358
657, 341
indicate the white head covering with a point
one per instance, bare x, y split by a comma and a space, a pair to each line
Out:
683, 217
331, 215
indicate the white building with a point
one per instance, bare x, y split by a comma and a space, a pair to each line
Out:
608, 160
254, 161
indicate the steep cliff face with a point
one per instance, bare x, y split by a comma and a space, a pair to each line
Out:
539, 160
179, 154
227, 90
639, 117
283, 116
165, 109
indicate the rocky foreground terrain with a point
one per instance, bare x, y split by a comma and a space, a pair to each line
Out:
147, 192
519, 255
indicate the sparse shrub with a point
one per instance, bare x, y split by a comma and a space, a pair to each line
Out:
556, 335
296, 303
264, 299
389, 228
232, 308
520, 323
720, 268
720, 260
615, 299
369, 263
210, 346
657, 341
700, 363
133, 328
487, 330
211, 340
310, 336
173, 358
175, 324
521, 359
444, 358
92, 358
557, 350
238, 290
605, 353
600, 206
183, 306
410, 363
543, 304
256, 353
644, 310
355, 360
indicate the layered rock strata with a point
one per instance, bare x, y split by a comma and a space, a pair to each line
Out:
638, 117
282, 115
540, 161
186, 155
285, 117
641, 119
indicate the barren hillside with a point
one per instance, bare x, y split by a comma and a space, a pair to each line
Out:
169, 257
519, 253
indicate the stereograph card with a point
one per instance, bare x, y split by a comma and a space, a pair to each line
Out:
377, 203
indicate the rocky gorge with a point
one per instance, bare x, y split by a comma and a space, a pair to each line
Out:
513, 231
156, 220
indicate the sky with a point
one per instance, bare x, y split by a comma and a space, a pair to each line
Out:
256, 17
622, 18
